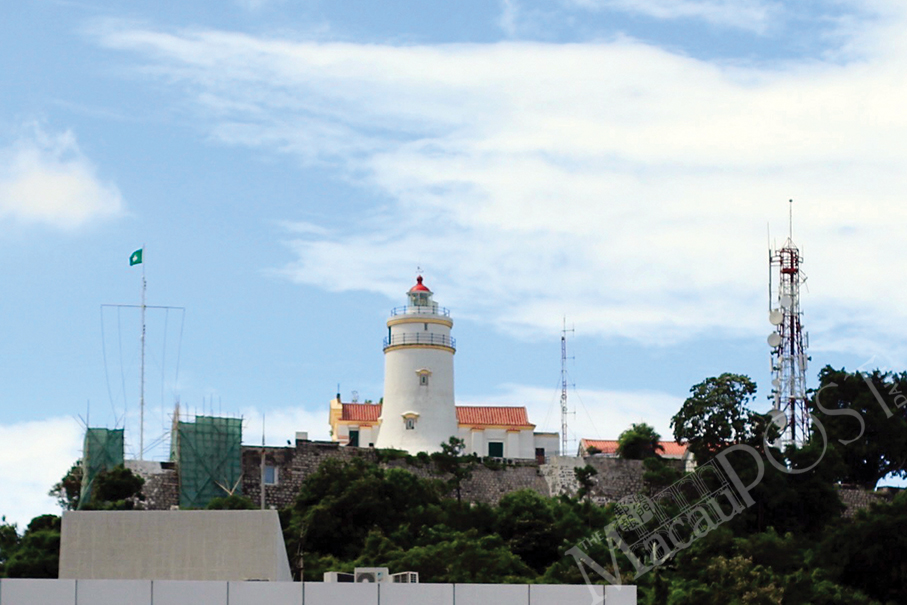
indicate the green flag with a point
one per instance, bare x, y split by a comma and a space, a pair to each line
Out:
136, 258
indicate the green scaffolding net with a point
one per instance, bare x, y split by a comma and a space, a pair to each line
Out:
102, 451
210, 459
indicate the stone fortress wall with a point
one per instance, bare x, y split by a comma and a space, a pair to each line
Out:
616, 478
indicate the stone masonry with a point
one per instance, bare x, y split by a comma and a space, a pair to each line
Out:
616, 478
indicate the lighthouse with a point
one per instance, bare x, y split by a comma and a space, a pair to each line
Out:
419, 411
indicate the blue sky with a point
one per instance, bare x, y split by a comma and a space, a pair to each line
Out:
288, 165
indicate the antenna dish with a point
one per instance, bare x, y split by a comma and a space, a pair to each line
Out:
775, 317
776, 382
774, 339
779, 418
786, 301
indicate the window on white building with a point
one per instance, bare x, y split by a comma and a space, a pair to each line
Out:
410, 423
423, 380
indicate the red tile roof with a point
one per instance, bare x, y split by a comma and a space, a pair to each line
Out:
363, 412
609, 446
493, 415
473, 414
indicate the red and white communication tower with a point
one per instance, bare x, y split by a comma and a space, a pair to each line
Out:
788, 342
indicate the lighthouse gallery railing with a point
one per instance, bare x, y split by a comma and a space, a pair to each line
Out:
420, 338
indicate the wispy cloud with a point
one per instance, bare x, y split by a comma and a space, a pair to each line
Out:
620, 183
508, 19
45, 178
33, 457
255, 5
753, 15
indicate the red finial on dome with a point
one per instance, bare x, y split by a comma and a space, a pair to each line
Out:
419, 287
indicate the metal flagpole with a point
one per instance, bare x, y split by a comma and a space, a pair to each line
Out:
142, 380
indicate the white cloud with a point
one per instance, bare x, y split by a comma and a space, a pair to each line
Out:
33, 457
282, 424
620, 183
594, 414
45, 178
743, 14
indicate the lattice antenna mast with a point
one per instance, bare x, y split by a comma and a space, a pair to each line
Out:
789, 342
564, 411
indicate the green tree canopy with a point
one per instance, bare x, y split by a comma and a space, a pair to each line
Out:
584, 477
870, 554
452, 461
37, 553
116, 489
638, 442
878, 447
716, 415
9, 543
69, 488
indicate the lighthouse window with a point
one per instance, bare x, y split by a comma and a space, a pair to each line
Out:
423, 380
410, 423
426, 327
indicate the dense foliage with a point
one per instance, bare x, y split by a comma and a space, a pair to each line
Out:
639, 442
357, 513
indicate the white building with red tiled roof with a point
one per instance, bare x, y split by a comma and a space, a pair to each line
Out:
673, 450
418, 411
498, 431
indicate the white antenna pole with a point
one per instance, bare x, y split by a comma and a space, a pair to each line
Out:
262, 461
142, 372
791, 220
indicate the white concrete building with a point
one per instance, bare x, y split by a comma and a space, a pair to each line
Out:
238, 545
418, 412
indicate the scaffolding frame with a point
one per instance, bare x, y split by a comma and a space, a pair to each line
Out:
102, 451
209, 456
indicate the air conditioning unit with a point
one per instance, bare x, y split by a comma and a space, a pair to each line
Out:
406, 577
338, 576
371, 574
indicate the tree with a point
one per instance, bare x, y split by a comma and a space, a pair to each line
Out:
69, 488
526, 523
659, 472
638, 442
340, 503
451, 460
584, 478
879, 446
869, 554
116, 489
446, 555
716, 415
9, 543
38, 553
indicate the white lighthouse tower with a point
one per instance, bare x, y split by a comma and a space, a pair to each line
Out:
418, 412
